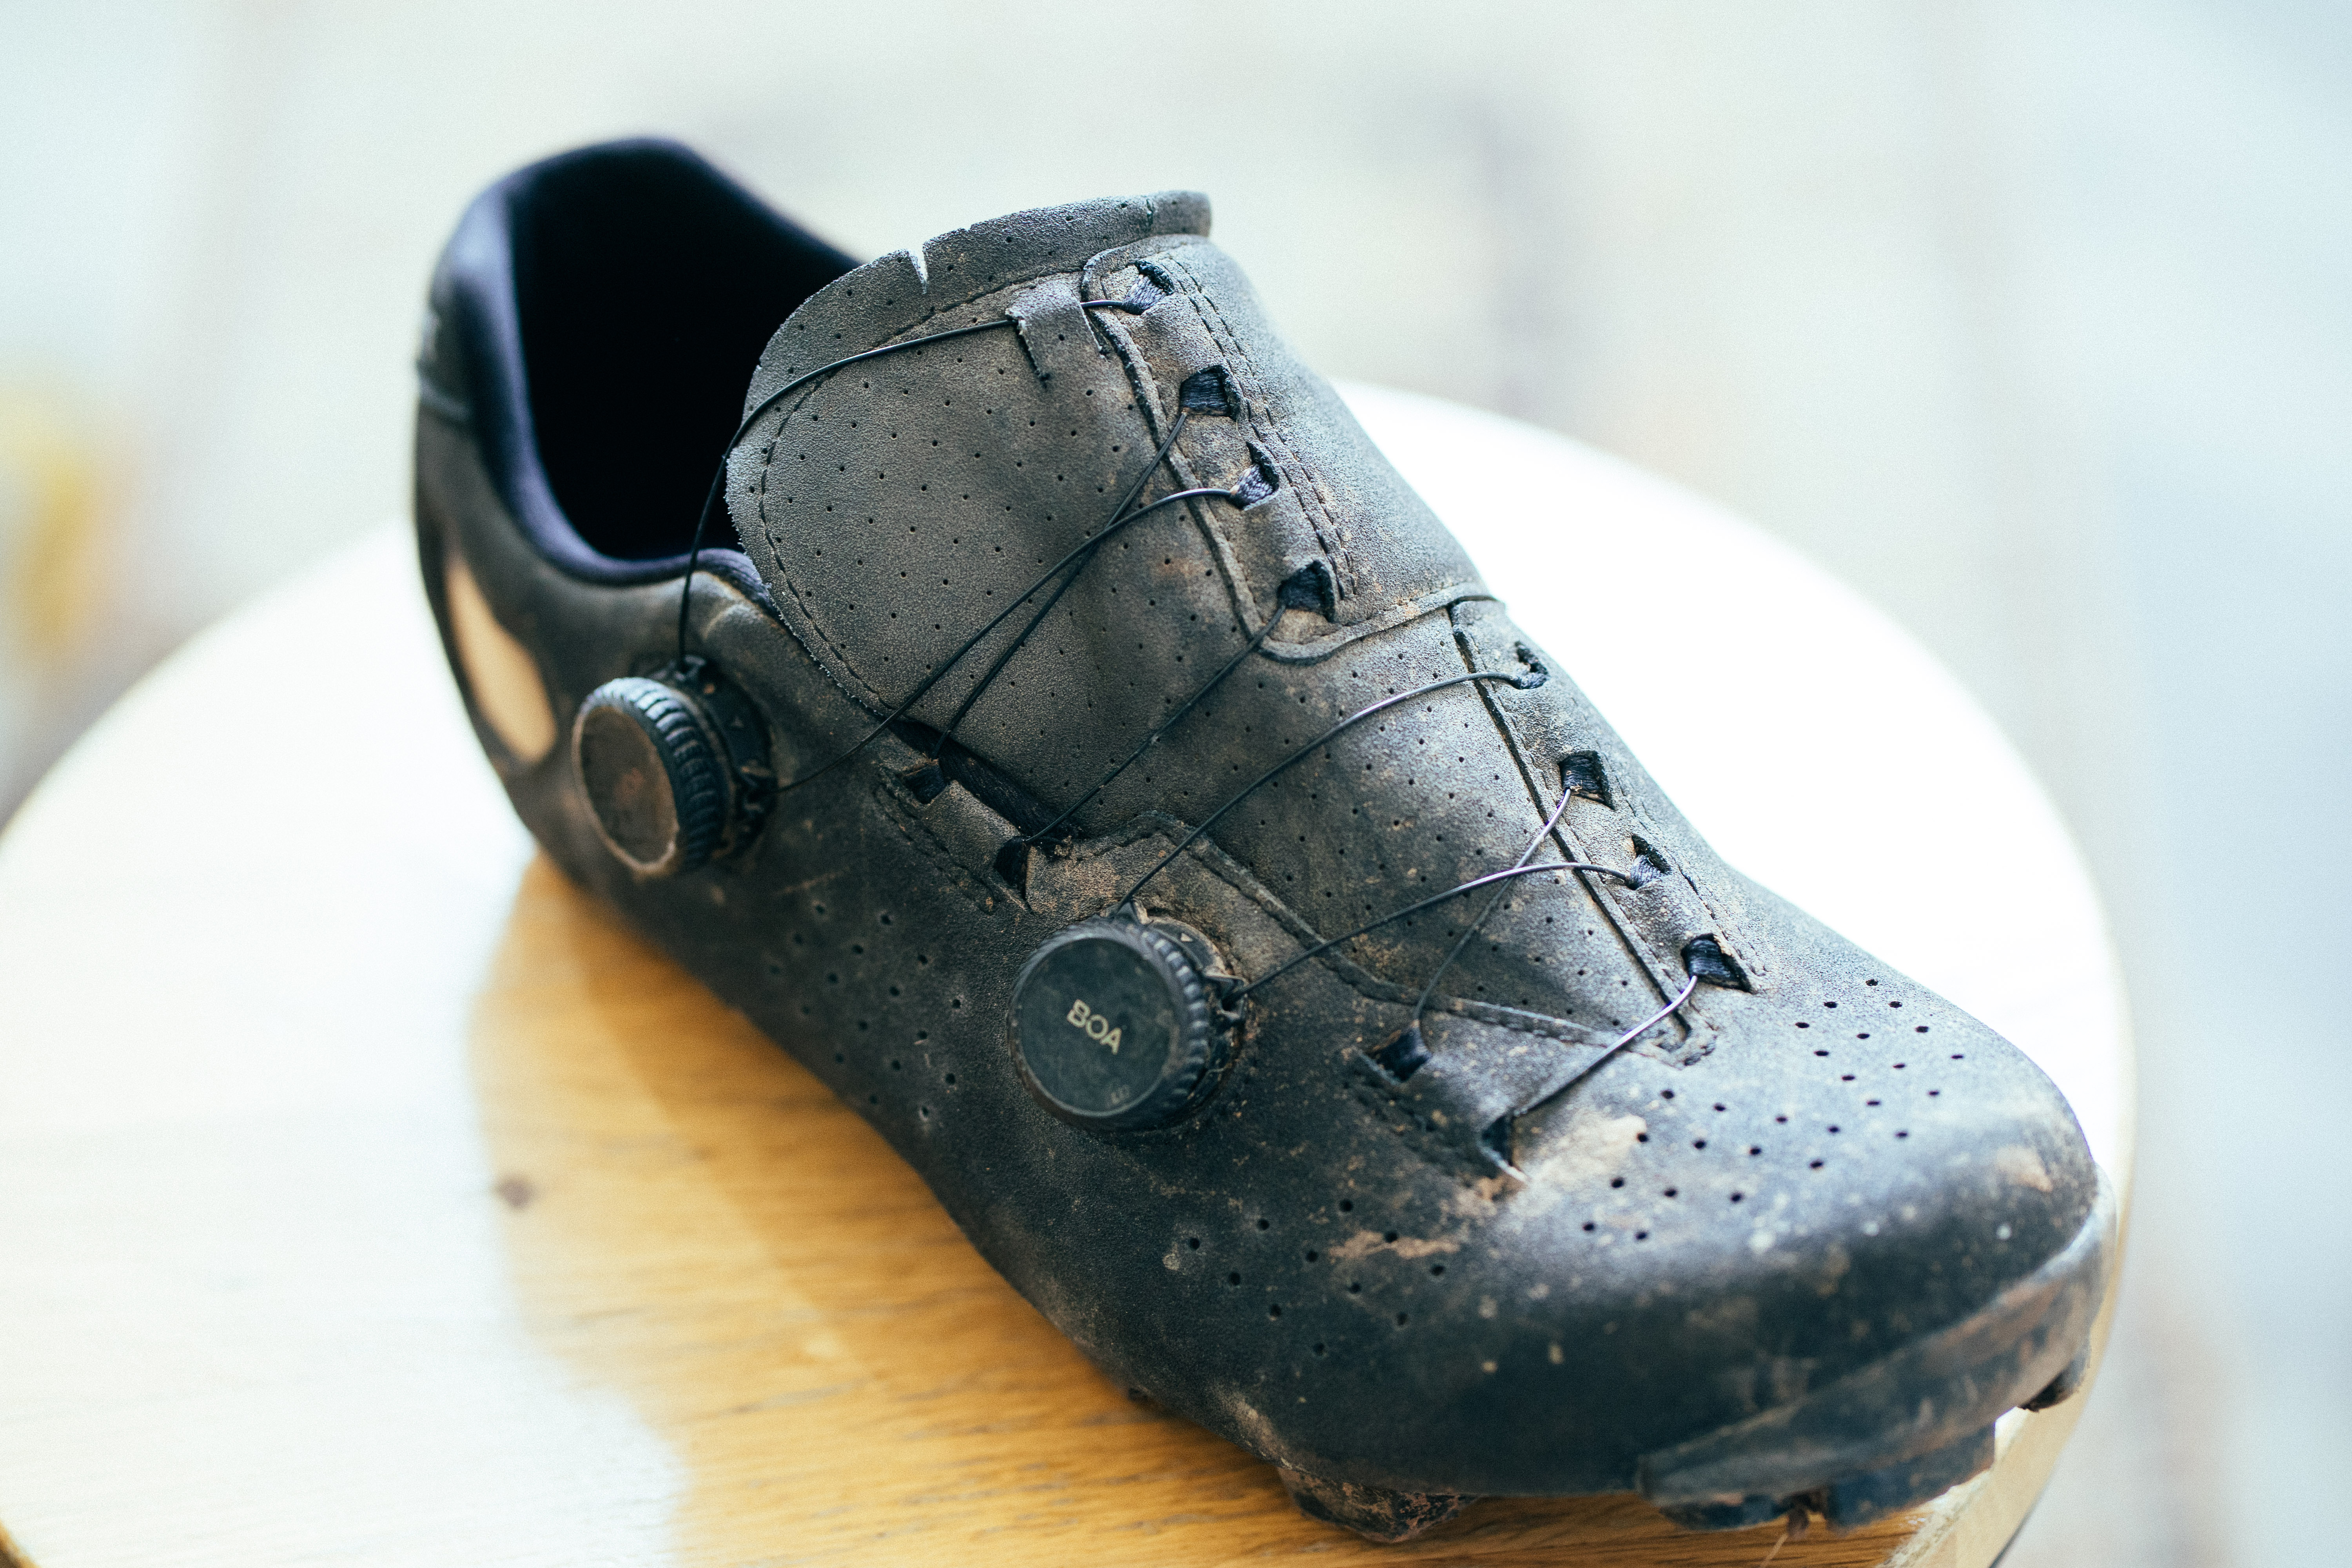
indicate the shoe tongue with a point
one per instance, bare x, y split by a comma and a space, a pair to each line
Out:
892, 295
903, 504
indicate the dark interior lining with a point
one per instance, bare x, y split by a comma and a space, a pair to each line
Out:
646, 286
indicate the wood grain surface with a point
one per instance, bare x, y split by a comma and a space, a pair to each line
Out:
372, 1198
679, 1217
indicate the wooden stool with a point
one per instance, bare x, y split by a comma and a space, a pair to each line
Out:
368, 1195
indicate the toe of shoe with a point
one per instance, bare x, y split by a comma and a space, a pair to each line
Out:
1702, 1247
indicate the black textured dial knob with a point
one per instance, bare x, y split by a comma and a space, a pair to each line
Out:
1113, 1024
656, 783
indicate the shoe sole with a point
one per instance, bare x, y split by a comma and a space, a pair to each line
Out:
1907, 1428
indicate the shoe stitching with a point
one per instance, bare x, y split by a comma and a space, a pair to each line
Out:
1637, 947
1632, 805
1298, 650
977, 289
1720, 924
1144, 384
1294, 464
1314, 651
1703, 1032
1077, 560
1194, 293
806, 613
901, 807
1434, 1147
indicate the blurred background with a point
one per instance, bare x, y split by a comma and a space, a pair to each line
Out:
2030, 321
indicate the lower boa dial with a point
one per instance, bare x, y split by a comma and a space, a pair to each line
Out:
1116, 1026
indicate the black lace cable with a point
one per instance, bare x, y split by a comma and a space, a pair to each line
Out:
1152, 740
1522, 682
1551, 822
1120, 517
1421, 1005
718, 479
1075, 561
1647, 1025
996, 666
1520, 867
924, 686
980, 688
1175, 430
1421, 1002
1432, 901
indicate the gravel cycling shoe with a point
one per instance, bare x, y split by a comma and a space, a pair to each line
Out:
1059, 726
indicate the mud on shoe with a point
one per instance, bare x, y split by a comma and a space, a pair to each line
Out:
1008, 675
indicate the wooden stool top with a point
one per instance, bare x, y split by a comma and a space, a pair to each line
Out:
369, 1197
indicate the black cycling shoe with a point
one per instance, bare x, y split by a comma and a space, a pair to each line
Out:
1074, 742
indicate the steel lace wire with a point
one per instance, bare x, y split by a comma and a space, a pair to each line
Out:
924, 686
1004, 657
1551, 823
980, 688
1118, 511
1076, 561
1654, 1019
1152, 739
1523, 683
1121, 519
1605, 1053
759, 411
1421, 1002
1523, 867
1325, 739
1432, 902
1520, 867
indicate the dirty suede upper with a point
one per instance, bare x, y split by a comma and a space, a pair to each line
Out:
1507, 1271
889, 503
